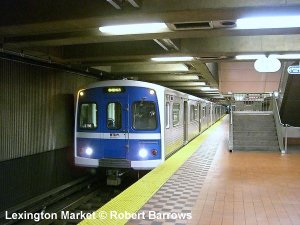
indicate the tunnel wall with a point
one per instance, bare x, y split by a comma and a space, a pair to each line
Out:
37, 108
36, 138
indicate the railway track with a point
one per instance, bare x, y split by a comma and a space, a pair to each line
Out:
81, 197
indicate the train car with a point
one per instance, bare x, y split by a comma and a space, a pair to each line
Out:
132, 124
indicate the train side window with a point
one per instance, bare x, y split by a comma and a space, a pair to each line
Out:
144, 115
196, 113
176, 114
193, 113
88, 116
167, 116
114, 116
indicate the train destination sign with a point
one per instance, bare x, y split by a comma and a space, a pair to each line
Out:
294, 69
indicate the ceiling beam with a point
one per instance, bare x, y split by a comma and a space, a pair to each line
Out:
205, 73
186, 84
199, 47
58, 17
162, 77
94, 36
149, 68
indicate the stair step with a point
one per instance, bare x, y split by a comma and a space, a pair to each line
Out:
255, 142
256, 134
244, 118
256, 148
253, 129
253, 116
253, 137
246, 122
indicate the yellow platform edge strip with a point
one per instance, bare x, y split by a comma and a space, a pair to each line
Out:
134, 197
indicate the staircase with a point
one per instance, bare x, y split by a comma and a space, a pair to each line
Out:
254, 131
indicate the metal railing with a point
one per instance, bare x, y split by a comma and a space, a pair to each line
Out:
231, 130
279, 126
282, 83
253, 102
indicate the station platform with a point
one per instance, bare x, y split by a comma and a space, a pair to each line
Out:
213, 186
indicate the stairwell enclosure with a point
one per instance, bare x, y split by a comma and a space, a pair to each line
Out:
255, 123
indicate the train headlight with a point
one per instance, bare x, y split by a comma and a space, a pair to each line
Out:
89, 151
143, 153
152, 92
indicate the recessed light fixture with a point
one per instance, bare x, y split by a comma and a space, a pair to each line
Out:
172, 59
268, 22
141, 28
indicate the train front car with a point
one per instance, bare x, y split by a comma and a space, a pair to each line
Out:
118, 126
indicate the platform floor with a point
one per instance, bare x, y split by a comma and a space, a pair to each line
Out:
219, 187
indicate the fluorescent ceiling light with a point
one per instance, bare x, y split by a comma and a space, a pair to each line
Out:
278, 56
141, 28
172, 59
209, 89
268, 22
286, 56
245, 57
201, 83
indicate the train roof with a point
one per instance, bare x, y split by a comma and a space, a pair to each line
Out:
134, 83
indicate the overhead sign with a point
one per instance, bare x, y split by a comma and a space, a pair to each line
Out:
294, 69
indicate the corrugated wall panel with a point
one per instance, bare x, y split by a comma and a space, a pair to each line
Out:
37, 108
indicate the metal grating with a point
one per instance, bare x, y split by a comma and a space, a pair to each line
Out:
115, 163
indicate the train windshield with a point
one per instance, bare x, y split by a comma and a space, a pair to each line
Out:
88, 116
144, 115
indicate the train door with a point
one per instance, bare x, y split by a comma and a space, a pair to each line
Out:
205, 116
210, 111
115, 128
199, 116
185, 121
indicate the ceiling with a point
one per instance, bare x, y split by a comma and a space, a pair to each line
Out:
66, 32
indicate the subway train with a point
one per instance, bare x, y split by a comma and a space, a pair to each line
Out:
137, 125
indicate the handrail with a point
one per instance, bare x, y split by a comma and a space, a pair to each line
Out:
231, 116
282, 84
279, 126
231, 130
